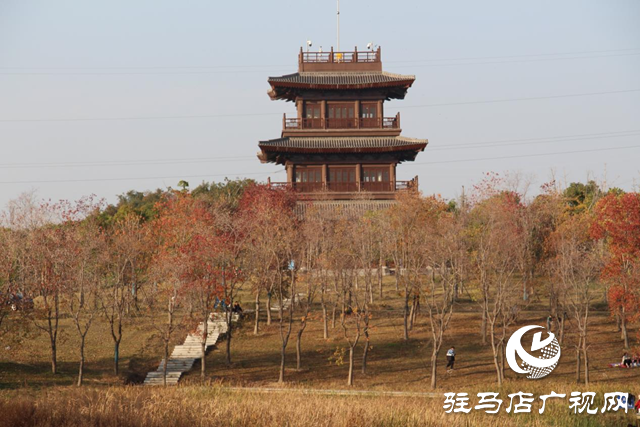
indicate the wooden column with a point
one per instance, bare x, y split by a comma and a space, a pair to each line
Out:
325, 175
323, 113
357, 113
358, 176
379, 112
300, 107
392, 176
289, 173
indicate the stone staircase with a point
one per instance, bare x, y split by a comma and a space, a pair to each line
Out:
184, 356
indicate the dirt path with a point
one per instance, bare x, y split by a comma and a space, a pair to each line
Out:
334, 392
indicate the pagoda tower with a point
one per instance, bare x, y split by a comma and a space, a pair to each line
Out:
341, 146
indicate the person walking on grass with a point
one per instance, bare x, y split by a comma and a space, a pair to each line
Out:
451, 358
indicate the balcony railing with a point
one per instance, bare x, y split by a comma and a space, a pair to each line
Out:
347, 187
349, 123
366, 56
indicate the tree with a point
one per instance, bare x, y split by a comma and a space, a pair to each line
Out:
127, 261
404, 241
272, 235
576, 263
446, 251
7, 262
172, 230
84, 256
617, 222
494, 221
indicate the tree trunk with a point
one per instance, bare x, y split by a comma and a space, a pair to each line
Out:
282, 361
229, 316
268, 308
496, 359
434, 367
350, 379
483, 325
562, 319
333, 317
81, 368
365, 352
325, 321
578, 346
298, 351
412, 313
586, 361
405, 316
166, 362
380, 278
116, 357
54, 358
256, 326
203, 344
625, 333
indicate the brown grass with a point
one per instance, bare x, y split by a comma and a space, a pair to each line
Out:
208, 406
31, 395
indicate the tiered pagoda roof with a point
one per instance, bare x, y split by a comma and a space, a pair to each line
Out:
341, 144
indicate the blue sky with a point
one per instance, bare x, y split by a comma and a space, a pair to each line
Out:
152, 63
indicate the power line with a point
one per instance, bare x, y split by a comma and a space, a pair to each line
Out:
136, 178
282, 170
267, 66
535, 98
264, 70
510, 62
527, 155
527, 141
123, 162
446, 146
516, 56
208, 116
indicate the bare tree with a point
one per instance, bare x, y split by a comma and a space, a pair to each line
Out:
494, 221
576, 265
127, 252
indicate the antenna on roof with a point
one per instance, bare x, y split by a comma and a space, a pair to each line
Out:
338, 28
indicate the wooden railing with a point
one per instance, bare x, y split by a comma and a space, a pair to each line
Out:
347, 187
289, 123
366, 56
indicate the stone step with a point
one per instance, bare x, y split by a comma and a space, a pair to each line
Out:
156, 374
184, 356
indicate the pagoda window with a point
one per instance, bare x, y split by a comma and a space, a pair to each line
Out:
313, 115
342, 178
376, 178
369, 115
308, 178
341, 115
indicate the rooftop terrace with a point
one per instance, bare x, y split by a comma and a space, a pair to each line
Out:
368, 60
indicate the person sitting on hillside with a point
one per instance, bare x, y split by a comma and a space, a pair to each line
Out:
236, 308
451, 358
626, 361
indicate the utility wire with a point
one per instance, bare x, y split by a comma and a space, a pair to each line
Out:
444, 147
279, 171
137, 178
517, 156
208, 116
267, 66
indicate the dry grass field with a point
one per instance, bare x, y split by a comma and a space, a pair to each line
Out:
31, 395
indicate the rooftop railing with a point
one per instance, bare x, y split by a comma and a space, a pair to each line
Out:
340, 61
